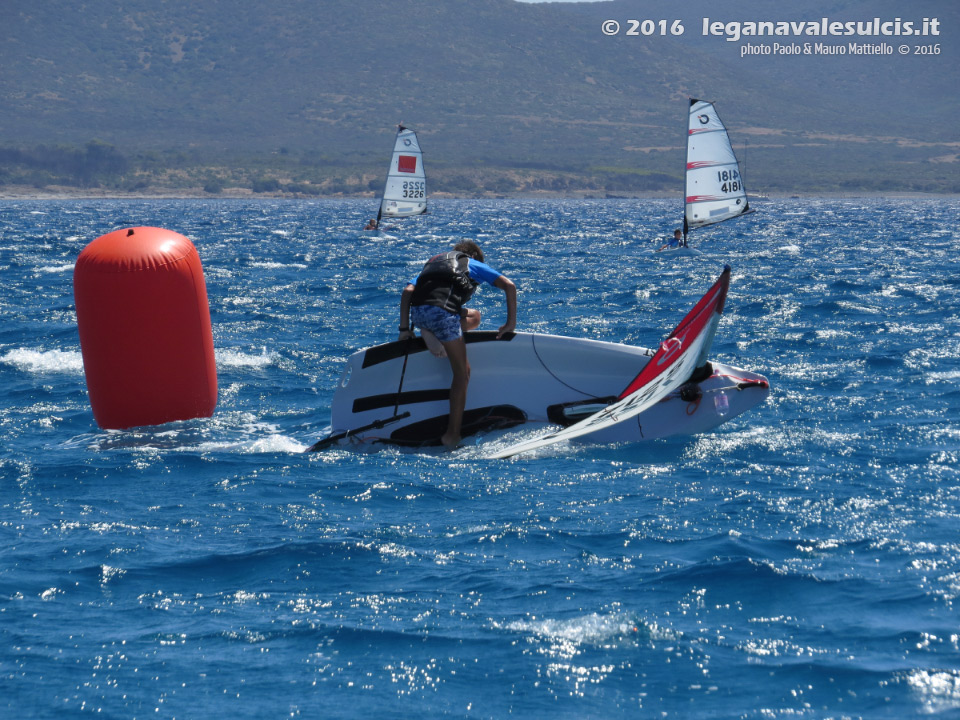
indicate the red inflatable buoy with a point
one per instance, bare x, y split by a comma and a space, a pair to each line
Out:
144, 325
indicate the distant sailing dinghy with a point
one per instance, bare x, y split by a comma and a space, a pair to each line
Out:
405, 192
714, 189
399, 394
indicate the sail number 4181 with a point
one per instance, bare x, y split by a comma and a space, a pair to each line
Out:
729, 181
414, 188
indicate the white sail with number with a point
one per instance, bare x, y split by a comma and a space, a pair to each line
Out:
405, 193
714, 185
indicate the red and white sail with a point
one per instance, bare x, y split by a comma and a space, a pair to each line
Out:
405, 193
714, 184
669, 368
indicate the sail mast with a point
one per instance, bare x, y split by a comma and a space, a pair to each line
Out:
686, 162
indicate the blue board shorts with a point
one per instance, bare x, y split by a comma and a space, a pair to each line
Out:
445, 325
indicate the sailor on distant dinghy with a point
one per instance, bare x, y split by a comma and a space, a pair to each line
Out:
405, 190
713, 185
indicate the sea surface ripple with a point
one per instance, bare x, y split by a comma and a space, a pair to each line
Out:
801, 561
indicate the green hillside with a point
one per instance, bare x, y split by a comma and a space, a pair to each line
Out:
303, 96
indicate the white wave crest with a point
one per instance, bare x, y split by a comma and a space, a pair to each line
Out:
66, 267
948, 376
267, 444
235, 358
274, 444
44, 361
107, 573
939, 689
278, 265
593, 629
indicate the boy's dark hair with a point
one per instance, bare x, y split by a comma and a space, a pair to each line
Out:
469, 247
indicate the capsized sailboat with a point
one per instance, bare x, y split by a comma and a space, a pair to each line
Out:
399, 394
405, 191
713, 189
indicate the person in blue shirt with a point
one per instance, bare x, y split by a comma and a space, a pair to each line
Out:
434, 301
676, 242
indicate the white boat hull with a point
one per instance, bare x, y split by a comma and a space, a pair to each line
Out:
398, 393
678, 252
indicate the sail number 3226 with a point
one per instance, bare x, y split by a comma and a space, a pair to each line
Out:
729, 181
414, 189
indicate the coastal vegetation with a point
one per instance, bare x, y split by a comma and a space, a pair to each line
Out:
302, 99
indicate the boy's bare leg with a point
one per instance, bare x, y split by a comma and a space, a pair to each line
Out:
457, 354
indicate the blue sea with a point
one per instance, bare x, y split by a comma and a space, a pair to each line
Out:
802, 561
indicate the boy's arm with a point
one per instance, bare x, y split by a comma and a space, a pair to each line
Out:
510, 290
